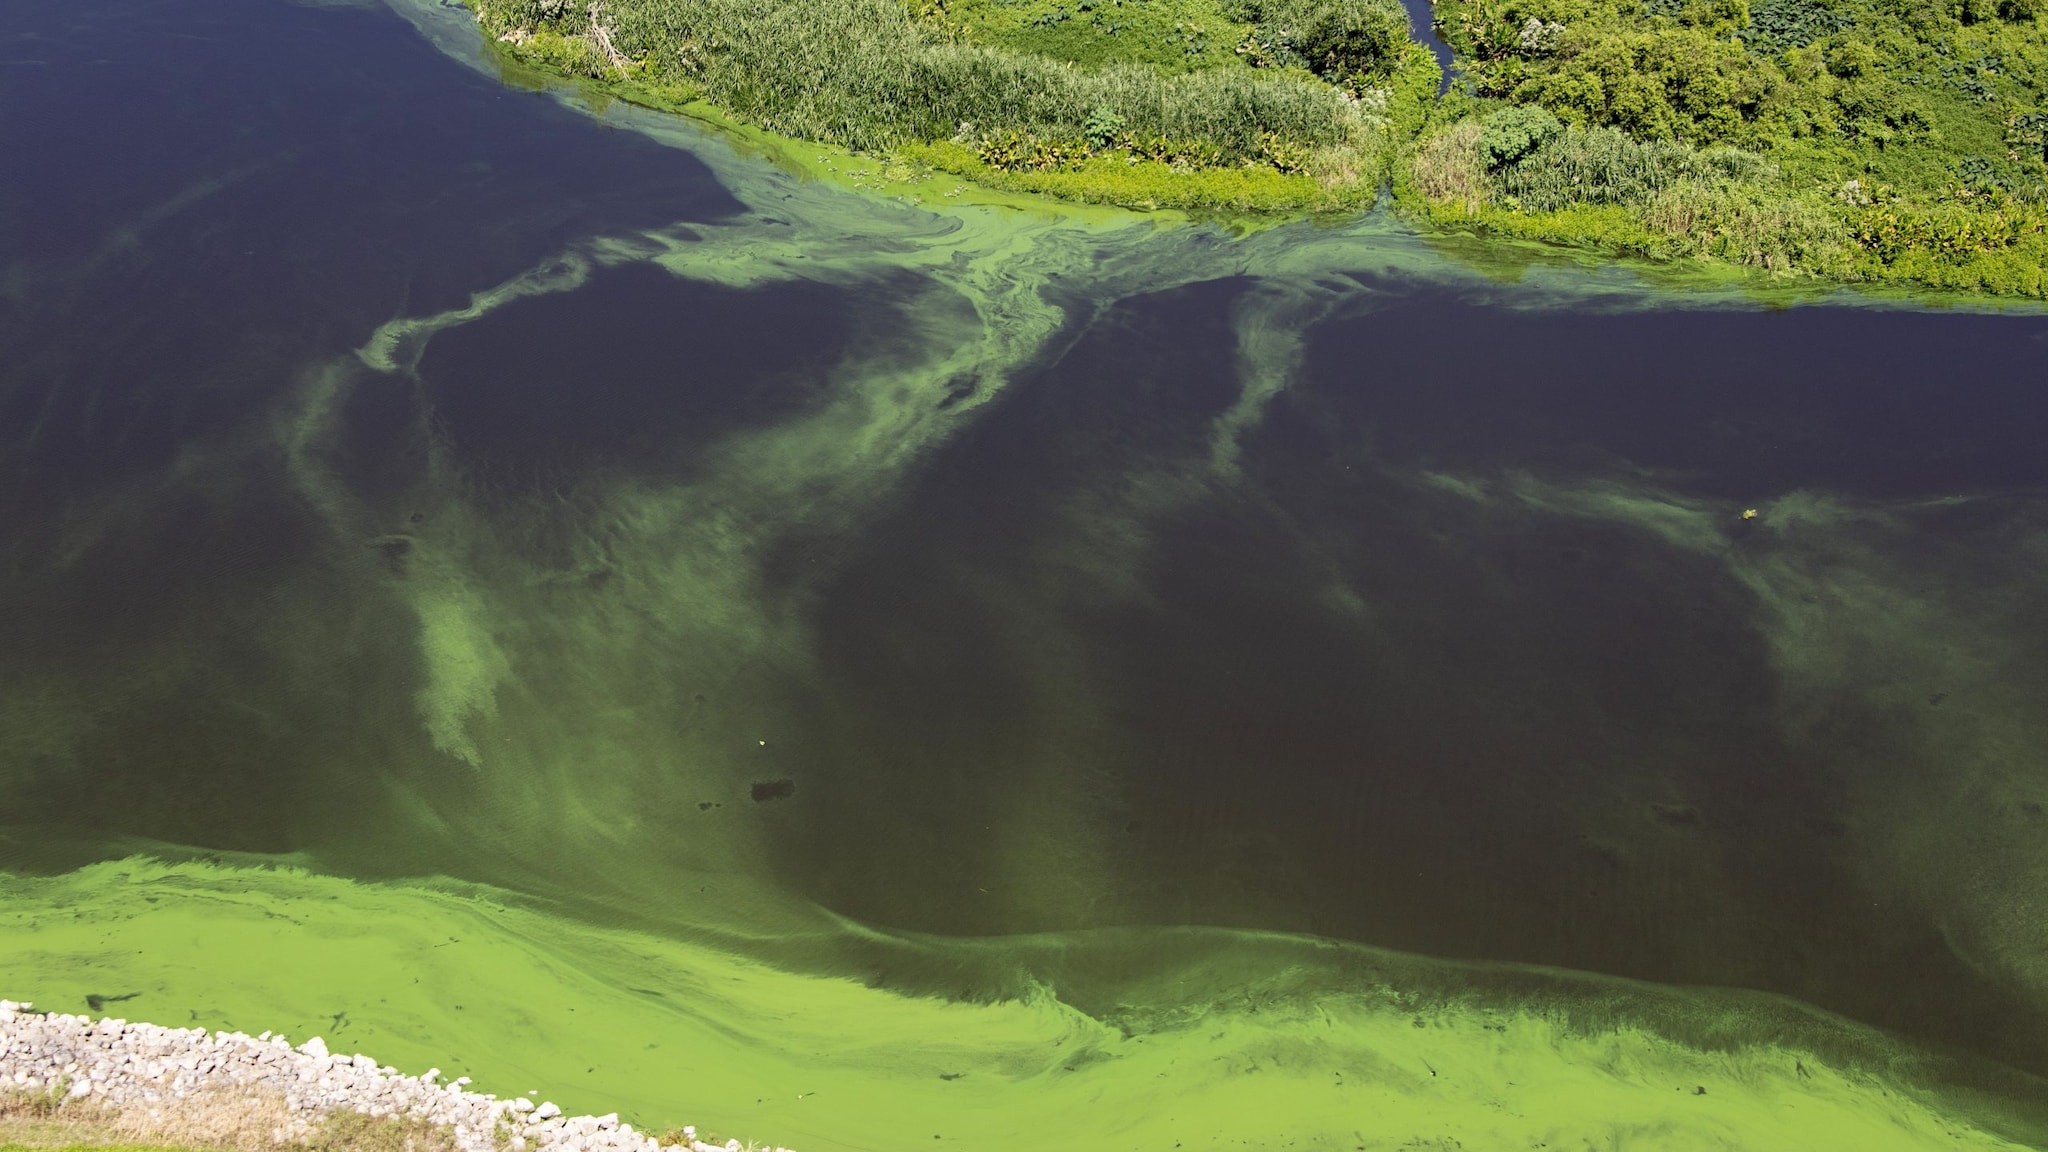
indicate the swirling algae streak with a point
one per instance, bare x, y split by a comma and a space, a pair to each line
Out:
754, 1012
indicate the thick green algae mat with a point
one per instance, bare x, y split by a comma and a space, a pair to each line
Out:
664, 1031
557, 666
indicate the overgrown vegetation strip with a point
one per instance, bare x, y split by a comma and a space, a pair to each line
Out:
1873, 141
1300, 120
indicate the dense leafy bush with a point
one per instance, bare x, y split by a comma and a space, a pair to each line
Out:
1103, 126
1775, 25
1513, 132
1659, 84
1334, 38
1897, 140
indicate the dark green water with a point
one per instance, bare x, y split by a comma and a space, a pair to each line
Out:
1033, 675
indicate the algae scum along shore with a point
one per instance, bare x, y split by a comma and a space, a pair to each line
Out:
537, 587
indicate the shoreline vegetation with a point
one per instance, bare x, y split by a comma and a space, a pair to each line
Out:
1863, 141
1221, 106
1880, 142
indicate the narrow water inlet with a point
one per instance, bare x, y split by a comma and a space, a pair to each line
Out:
1422, 24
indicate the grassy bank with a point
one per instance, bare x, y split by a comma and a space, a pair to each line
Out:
1863, 141
1872, 141
1246, 106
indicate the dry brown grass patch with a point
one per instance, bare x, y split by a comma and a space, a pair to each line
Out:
355, 1132
1447, 168
224, 1120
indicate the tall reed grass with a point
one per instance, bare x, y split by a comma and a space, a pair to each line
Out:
871, 75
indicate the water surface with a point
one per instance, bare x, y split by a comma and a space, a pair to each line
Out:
561, 598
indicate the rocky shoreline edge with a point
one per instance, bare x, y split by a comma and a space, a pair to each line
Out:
147, 1078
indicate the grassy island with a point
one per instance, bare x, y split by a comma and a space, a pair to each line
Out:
1873, 141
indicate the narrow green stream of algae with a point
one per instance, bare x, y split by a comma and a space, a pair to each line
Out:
575, 670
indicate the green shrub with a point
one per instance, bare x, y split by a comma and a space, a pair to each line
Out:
1102, 127
1334, 38
1346, 37
1896, 141
1982, 175
1852, 58
1714, 15
1657, 84
1777, 25
2026, 136
1512, 133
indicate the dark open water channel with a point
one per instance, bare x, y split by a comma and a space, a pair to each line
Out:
724, 603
